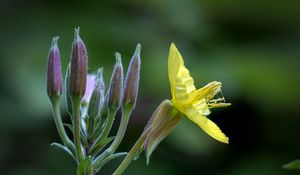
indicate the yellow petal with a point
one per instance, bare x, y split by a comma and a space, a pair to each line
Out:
182, 84
184, 77
174, 62
207, 125
201, 106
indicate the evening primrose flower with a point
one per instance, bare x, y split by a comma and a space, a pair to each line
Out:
194, 103
186, 101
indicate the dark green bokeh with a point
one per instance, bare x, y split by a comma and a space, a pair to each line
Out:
252, 47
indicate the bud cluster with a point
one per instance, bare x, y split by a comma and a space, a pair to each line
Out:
92, 110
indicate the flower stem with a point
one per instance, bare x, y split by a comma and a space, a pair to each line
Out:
76, 115
131, 155
122, 129
59, 125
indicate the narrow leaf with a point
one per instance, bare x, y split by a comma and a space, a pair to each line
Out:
293, 165
60, 146
83, 138
97, 147
109, 158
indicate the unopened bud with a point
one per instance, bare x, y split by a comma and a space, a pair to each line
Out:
114, 94
54, 76
78, 74
97, 98
132, 79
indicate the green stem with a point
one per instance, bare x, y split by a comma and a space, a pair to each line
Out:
118, 139
131, 155
122, 129
76, 134
59, 125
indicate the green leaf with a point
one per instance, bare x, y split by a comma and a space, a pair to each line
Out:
85, 167
100, 123
97, 147
83, 138
98, 130
60, 146
109, 158
67, 91
293, 165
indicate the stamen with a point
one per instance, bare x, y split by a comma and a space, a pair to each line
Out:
218, 98
217, 101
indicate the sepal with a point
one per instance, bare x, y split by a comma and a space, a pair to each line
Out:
161, 124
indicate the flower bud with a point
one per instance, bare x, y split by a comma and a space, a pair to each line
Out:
54, 76
132, 79
114, 94
97, 99
162, 122
90, 86
78, 74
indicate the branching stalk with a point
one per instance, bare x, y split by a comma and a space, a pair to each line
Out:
131, 155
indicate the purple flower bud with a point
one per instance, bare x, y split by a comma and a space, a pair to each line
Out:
54, 76
114, 94
132, 79
78, 74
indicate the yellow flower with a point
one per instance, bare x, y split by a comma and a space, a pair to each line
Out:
194, 103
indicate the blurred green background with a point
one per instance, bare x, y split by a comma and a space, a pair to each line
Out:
250, 46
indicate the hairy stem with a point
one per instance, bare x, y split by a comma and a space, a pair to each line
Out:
59, 125
76, 134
